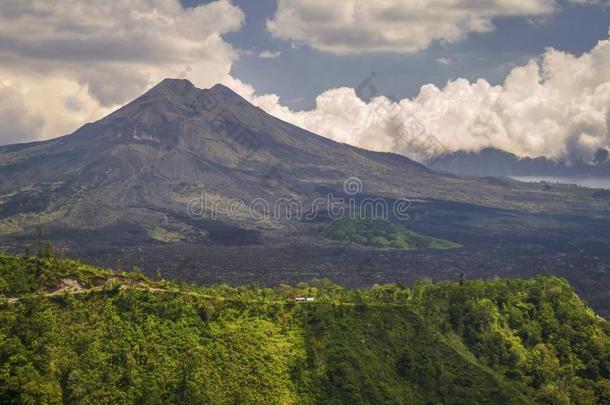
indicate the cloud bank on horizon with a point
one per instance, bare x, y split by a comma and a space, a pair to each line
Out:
64, 64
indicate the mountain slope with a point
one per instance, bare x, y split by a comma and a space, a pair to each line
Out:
179, 141
169, 181
176, 134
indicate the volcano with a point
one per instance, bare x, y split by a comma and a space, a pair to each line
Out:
134, 188
174, 140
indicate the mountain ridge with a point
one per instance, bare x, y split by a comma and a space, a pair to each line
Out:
497, 162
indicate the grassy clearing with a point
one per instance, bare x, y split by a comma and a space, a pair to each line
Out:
382, 234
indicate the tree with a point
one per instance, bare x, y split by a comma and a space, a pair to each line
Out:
46, 251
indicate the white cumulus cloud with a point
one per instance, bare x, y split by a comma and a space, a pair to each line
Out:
557, 105
73, 61
355, 26
18, 121
269, 55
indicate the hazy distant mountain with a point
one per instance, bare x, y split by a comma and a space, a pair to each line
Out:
495, 162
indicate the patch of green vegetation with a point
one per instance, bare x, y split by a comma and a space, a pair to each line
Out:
383, 234
19, 222
163, 235
186, 190
474, 342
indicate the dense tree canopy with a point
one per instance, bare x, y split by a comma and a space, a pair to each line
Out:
73, 333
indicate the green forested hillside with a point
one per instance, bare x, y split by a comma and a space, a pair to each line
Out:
73, 333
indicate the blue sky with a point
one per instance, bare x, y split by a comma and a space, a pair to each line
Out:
299, 74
